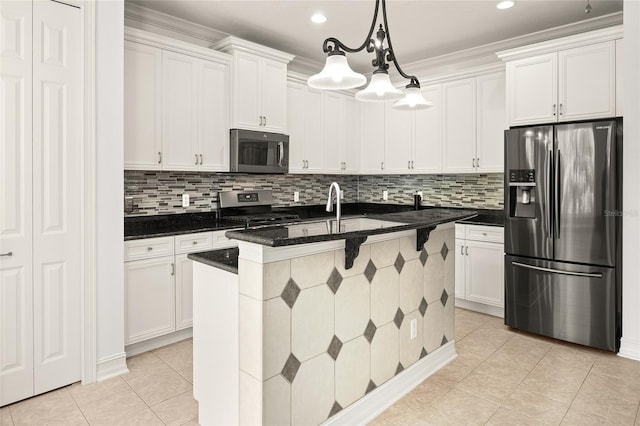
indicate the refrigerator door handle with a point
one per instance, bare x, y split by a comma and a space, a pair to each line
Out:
557, 271
556, 207
550, 176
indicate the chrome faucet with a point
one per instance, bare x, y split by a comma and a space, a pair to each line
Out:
330, 204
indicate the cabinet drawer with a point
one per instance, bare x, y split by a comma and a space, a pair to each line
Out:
148, 248
190, 243
485, 233
219, 240
461, 231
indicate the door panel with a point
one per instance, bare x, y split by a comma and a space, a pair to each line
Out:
295, 120
331, 128
350, 134
529, 149
532, 90
491, 122
398, 129
57, 160
485, 273
585, 192
427, 143
274, 89
247, 106
459, 129
213, 113
314, 151
184, 292
460, 270
576, 303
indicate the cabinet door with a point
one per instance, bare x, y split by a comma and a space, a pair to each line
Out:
587, 82
619, 77
491, 122
247, 97
460, 280
179, 111
295, 120
184, 292
485, 273
459, 126
372, 141
274, 96
149, 298
350, 134
427, 154
213, 116
331, 121
532, 90
398, 131
142, 106
314, 130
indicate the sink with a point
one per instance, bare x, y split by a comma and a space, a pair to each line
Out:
325, 227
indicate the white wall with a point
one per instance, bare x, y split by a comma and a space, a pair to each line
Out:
110, 185
630, 345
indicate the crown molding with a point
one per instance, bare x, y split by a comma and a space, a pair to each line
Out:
233, 44
305, 66
144, 15
569, 42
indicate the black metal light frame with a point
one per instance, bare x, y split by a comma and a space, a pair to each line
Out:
338, 48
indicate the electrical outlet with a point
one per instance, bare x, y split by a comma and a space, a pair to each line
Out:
385, 195
342, 194
414, 328
185, 200
296, 196
128, 204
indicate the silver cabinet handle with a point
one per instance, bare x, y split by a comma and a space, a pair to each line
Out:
196, 159
554, 110
159, 157
408, 164
412, 165
265, 120
200, 159
382, 165
466, 250
557, 271
260, 117
560, 109
173, 268
8, 254
477, 162
461, 250
473, 163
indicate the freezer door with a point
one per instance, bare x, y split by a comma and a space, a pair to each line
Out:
585, 193
569, 302
528, 227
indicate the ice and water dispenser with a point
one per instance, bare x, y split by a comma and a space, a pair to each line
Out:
522, 193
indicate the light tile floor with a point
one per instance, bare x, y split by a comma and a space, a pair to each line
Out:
501, 377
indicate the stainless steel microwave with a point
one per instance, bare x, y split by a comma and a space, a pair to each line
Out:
259, 152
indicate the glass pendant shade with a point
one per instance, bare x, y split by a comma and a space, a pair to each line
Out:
379, 89
413, 100
336, 75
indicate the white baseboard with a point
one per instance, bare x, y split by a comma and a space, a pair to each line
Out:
374, 403
629, 348
111, 366
480, 307
158, 342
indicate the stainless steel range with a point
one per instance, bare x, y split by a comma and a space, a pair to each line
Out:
251, 208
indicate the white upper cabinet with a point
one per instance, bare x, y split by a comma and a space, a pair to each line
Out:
491, 122
398, 140
295, 121
331, 128
427, 152
350, 134
568, 79
176, 105
142, 106
459, 126
259, 85
314, 128
586, 83
619, 79
373, 135
179, 111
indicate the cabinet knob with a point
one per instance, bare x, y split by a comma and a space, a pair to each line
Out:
195, 242
149, 248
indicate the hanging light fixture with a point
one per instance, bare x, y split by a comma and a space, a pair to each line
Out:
338, 75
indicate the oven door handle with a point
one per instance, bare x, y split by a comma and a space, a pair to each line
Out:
557, 271
280, 153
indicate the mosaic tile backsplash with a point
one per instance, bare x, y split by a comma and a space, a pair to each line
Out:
161, 192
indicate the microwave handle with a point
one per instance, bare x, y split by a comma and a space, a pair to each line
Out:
280, 153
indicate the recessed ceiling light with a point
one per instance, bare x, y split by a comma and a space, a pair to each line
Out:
318, 18
506, 4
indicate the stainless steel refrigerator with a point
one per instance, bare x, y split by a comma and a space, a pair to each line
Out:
563, 231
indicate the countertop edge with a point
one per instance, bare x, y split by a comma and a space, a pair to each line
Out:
199, 257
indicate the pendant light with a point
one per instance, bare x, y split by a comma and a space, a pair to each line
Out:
337, 75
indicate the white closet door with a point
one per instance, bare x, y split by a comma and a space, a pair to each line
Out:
57, 190
16, 310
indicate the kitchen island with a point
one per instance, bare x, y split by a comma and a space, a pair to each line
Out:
324, 326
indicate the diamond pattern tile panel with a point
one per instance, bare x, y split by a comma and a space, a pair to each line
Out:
398, 318
334, 348
399, 263
423, 306
370, 331
334, 281
444, 297
370, 270
444, 251
423, 256
291, 368
290, 293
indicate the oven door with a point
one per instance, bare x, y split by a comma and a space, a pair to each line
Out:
259, 152
571, 302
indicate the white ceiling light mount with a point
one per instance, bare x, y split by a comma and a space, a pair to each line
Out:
337, 75
318, 18
506, 4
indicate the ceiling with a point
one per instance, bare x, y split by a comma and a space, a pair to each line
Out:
420, 29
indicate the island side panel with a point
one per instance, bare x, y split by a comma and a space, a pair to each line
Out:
323, 336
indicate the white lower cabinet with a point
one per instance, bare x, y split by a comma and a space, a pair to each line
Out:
159, 285
149, 298
479, 280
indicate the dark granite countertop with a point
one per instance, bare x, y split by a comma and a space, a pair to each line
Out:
317, 231
226, 259
487, 217
166, 225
